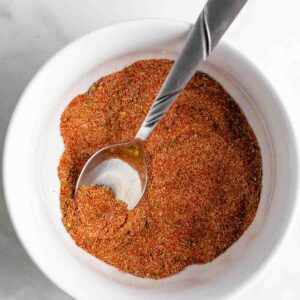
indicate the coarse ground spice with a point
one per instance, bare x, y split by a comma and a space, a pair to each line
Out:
205, 173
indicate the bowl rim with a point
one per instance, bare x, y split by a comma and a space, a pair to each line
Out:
294, 206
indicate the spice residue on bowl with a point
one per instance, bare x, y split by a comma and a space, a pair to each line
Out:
204, 164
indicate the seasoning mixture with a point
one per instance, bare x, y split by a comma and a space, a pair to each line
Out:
204, 164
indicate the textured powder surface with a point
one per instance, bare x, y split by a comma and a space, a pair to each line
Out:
204, 164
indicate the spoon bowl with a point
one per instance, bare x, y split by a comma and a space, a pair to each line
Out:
121, 167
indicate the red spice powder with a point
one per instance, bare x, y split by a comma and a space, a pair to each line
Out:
205, 173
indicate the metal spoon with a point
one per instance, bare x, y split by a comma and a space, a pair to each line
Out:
122, 167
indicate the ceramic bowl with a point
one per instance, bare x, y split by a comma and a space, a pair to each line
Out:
34, 145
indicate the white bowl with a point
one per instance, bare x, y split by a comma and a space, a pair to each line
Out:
33, 148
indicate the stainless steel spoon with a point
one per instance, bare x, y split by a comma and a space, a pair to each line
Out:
122, 167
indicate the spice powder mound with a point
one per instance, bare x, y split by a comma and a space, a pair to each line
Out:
204, 164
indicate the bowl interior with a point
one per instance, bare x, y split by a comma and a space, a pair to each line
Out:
34, 202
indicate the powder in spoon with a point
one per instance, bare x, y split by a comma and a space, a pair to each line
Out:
204, 164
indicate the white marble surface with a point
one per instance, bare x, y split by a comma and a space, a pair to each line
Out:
31, 31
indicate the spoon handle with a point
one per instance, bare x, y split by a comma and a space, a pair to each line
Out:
215, 18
